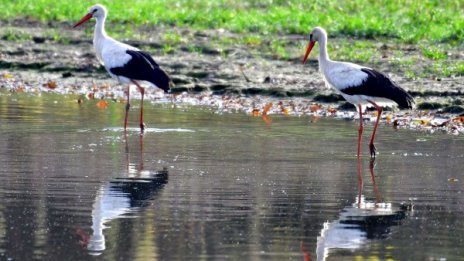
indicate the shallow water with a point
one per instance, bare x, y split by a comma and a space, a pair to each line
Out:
205, 185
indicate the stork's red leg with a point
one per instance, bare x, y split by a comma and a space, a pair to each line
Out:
127, 108
142, 92
360, 130
371, 144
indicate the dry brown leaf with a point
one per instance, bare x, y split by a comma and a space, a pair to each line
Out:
331, 110
389, 118
267, 107
255, 112
284, 110
315, 107
51, 85
90, 95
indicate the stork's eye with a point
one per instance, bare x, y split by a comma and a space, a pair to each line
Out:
311, 37
94, 11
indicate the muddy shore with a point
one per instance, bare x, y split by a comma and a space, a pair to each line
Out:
230, 78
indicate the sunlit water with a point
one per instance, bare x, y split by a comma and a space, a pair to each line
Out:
203, 185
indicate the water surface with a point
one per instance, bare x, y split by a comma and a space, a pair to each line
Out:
205, 185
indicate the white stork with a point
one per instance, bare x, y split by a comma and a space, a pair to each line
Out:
359, 85
123, 62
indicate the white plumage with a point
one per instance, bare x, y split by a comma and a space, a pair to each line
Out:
359, 85
123, 62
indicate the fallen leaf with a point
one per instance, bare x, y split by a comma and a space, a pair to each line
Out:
51, 85
7, 76
389, 118
90, 95
331, 110
459, 119
267, 107
102, 104
255, 112
315, 107
284, 110
423, 121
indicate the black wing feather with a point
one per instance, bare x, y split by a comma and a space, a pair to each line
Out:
379, 85
143, 67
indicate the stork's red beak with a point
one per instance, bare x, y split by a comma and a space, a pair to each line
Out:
308, 50
83, 20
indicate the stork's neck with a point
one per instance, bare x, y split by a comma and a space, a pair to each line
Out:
99, 36
323, 55
99, 29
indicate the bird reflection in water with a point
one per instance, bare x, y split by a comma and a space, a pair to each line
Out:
120, 196
363, 221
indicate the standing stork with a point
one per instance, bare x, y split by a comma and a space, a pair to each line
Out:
359, 85
123, 62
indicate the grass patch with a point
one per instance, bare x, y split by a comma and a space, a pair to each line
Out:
435, 28
173, 38
408, 21
434, 52
13, 35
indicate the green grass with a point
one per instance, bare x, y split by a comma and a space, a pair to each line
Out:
434, 52
356, 28
409, 21
12, 35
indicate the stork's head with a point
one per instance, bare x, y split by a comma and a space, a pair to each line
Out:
318, 34
98, 11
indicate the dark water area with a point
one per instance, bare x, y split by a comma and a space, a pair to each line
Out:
205, 185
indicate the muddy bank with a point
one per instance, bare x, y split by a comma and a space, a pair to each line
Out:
236, 77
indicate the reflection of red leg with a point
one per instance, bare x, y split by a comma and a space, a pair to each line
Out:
360, 182
127, 151
84, 237
360, 130
127, 108
306, 254
141, 153
371, 144
374, 184
142, 92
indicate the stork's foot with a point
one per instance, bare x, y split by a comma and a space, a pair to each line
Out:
142, 127
373, 150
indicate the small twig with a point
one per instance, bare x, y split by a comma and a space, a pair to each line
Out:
244, 75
